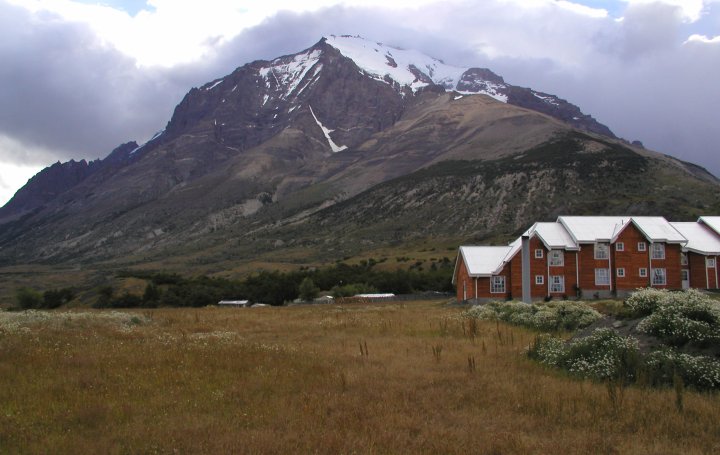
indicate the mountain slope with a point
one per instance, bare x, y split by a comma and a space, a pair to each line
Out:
314, 140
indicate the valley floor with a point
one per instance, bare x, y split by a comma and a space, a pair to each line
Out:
386, 378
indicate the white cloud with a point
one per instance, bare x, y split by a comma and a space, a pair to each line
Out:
78, 91
12, 177
691, 10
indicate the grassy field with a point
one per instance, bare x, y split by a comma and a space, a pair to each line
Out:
386, 378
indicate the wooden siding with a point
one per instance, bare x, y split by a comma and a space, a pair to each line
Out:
466, 285
588, 264
631, 259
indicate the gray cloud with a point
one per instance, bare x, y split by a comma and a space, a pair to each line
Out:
75, 96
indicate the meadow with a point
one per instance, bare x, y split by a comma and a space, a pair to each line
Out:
362, 378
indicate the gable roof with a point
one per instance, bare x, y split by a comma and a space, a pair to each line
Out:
553, 235
591, 229
700, 238
483, 261
654, 228
713, 222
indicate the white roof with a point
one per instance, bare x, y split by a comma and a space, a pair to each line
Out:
590, 229
484, 260
553, 236
712, 221
700, 238
657, 229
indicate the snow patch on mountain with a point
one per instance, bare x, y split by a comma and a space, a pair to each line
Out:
379, 61
214, 85
288, 74
335, 148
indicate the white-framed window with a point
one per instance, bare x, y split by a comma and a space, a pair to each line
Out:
557, 283
557, 258
602, 251
621, 272
539, 253
642, 272
710, 262
602, 277
497, 285
683, 259
657, 251
642, 246
539, 279
620, 246
659, 277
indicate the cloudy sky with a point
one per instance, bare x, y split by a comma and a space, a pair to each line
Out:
79, 77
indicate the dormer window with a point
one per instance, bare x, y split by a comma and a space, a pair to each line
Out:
557, 258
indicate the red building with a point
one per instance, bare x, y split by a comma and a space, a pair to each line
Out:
590, 257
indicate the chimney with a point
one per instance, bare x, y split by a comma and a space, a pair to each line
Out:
526, 295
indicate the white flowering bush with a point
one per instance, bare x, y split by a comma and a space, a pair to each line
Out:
550, 316
684, 317
602, 355
701, 372
643, 301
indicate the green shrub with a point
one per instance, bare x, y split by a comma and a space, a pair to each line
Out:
28, 298
602, 355
308, 290
57, 297
700, 372
552, 316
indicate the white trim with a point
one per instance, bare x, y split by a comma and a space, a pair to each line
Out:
539, 253
710, 263
620, 272
640, 272
643, 245
620, 246
539, 280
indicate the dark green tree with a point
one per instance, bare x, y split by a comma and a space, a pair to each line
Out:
307, 289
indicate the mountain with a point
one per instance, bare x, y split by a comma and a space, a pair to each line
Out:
345, 146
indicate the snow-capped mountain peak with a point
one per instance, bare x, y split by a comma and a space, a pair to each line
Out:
408, 68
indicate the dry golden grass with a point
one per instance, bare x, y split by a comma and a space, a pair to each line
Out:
314, 379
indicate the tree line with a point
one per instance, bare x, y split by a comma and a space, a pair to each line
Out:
276, 288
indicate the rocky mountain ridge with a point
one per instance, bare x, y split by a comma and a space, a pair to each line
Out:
276, 145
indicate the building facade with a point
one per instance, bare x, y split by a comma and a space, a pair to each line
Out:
593, 257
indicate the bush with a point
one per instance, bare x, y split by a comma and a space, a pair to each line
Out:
350, 290
644, 300
308, 290
552, 316
602, 355
57, 297
700, 372
28, 298
684, 317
